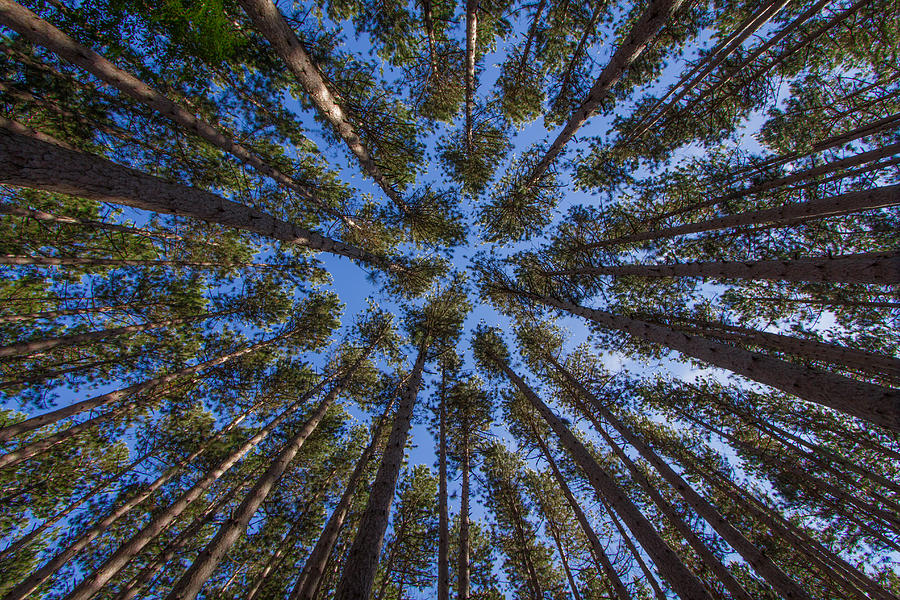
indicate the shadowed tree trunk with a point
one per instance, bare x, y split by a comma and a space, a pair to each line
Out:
471, 43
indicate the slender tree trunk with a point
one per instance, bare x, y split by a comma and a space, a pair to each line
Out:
763, 565
34, 346
55, 314
362, 560
604, 564
683, 582
781, 216
642, 34
529, 40
313, 569
876, 404
589, 31
16, 429
57, 261
841, 356
42, 33
853, 303
537, 593
269, 21
27, 587
206, 562
443, 584
471, 42
463, 573
427, 16
164, 519
28, 161
880, 268
623, 535
557, 541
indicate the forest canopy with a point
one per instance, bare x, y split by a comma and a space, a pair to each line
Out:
481, 299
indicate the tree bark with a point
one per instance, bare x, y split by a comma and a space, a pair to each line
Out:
57, 261
642, 34
462, 567
604, 564
683, 582
55, 314
873, 403
471, 41
30, 162
589, 30
164, 519
529, 40
206, 562
623, 535
42, 33
362, 559
764, 567
270, 22
781, 216
443, 584
40, 215
314, 568
879, 268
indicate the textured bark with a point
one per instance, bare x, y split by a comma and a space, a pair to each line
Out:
362, 559
604, 564
269, 21
873, 403
642, 34
589, 30
28, 161
27, 587
164, 519
471, 42
763, 566
880, 268
206, 562
529, 40
10, 431
781, 216
623, 535
557, 541
59, 261
38, 31
313, 570
462, 567
443, 584
851, 358
683, 582
534, 583
34, 346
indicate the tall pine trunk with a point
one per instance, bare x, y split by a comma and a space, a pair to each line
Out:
642, 34
670, 565
313, 570
881, 268
42, 33
443, 584
761, 563
471, 43
30, 162
873, 403
362, 559
270, 22
462, 567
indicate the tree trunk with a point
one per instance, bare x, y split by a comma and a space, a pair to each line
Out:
781, 216
30, 162
589, 30
623, 535
683, 582
206, 562
841, 356
362, 560
314, 568
443, 584
471, 41
557, 541
269, 21
56, 261
11, 431
42, 33
537, 592
532, 31
55, 314
876, 404
764, 567
604, 565
879, 268
34, 346
642, 34
463, 574
26, 587
164, 519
